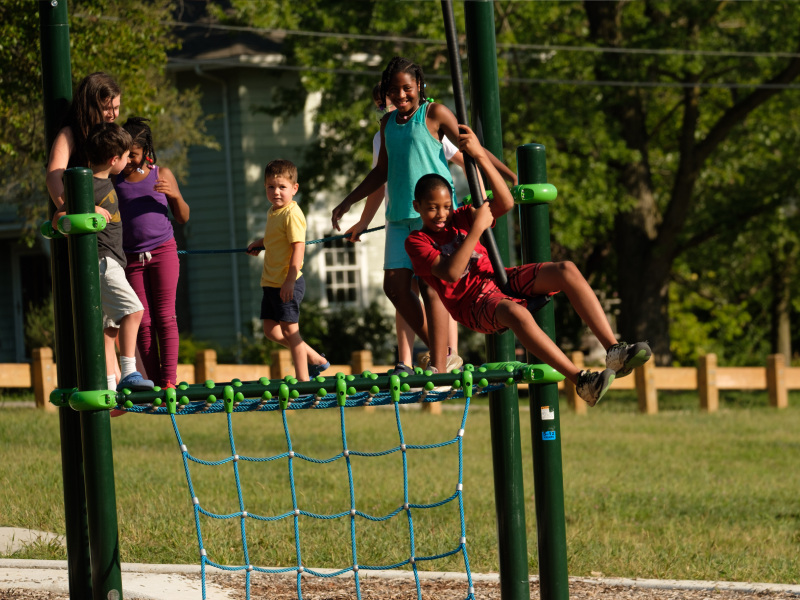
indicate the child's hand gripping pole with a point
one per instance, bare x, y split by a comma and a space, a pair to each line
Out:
487, 239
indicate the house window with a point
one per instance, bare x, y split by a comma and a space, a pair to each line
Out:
342, 272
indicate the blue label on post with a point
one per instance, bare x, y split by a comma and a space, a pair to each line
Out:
548, 435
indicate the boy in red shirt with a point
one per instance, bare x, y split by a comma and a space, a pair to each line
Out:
448, 256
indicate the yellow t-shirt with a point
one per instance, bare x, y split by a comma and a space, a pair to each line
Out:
285, 226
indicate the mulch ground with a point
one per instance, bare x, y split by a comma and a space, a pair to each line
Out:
283, 588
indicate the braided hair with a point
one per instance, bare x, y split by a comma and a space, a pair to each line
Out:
402, 65
142, 137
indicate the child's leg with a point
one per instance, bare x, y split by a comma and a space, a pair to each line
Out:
128, 328
291, 333
452, 335
112, 366
162, 274
137, 275
566, 277
519, 320
397, 286
438, 327
274, 332
405, 340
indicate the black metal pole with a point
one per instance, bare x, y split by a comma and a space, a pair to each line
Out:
56, 95
512, 539
487, 239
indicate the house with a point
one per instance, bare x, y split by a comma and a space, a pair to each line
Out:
225, 189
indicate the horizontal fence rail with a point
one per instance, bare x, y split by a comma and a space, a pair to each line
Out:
707, 379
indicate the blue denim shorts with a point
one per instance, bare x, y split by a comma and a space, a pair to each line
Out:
275, 309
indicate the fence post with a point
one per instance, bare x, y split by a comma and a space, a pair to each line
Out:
43, 376
281, 364
362, 361
575, 402
205, 366
707, 383
646, 390
776, 381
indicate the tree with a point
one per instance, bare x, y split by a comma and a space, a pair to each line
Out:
131, 43
666, 123
683, 160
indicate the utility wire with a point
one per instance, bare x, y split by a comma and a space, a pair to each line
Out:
505, 45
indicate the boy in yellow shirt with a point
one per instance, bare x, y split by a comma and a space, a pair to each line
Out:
284, 244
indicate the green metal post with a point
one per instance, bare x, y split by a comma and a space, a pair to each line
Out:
545, 422
101, 499
57, 92
504, 404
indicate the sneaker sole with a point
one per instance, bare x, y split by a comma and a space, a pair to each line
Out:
611, 379
637, 360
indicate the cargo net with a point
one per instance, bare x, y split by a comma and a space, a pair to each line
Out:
335, 393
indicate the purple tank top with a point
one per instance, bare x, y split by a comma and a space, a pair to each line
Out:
145, 214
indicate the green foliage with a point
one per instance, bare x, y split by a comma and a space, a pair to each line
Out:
40, 325
129, 41
188, 348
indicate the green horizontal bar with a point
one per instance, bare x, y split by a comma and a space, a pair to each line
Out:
534, 193
81, 223
93, 400
344, 385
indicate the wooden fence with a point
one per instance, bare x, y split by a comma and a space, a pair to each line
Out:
707, 378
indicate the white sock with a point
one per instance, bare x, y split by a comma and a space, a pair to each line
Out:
111, 382
127, 365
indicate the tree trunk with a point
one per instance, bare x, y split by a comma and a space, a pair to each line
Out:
643, 287
780, 309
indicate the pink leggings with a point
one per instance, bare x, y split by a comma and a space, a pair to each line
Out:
155, 281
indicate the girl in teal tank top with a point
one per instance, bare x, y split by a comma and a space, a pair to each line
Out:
412, 152
406, 154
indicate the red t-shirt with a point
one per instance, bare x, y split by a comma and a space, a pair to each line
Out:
423, 249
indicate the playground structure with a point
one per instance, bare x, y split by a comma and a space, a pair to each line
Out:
84, 403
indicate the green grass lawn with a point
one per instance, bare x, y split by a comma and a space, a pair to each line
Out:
680, 494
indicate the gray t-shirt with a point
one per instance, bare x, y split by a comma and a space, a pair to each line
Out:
109, 241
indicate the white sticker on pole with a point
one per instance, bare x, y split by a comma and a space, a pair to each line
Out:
548, 414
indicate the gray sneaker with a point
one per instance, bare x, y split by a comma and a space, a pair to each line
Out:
623, 358
593, 386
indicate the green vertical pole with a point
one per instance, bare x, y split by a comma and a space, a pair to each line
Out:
504, 404
56, 93
545, 422
101, 502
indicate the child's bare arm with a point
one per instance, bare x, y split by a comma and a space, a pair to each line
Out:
287, 289
255, 247
450, 268
446, 123
374, 201
374, 180
469, 144
168, 185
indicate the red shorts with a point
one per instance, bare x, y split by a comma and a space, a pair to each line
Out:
480, 313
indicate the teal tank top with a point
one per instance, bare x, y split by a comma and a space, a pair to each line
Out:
412, 152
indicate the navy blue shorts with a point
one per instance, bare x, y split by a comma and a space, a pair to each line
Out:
274, 309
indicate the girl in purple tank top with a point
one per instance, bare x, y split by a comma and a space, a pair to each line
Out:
147, 193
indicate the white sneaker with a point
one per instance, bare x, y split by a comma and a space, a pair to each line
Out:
593, 386
623, 358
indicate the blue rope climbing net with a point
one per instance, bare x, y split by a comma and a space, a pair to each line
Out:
345, 391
